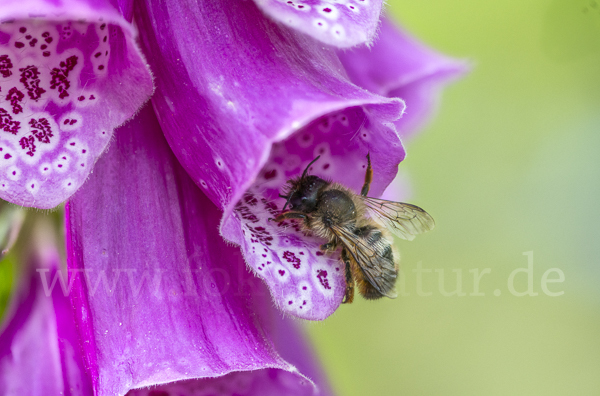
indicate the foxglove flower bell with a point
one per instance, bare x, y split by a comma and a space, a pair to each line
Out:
247, 93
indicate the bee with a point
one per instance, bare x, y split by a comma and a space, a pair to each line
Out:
359, 224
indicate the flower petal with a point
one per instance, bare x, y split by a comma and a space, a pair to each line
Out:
39, 345
67, 78
258, 96
342, 23
266, 382
291, 345
397, 65
160, 296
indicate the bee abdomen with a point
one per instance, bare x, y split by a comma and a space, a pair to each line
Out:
384, 261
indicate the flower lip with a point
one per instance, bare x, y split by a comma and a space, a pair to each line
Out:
310, 283
68, 77
341, 24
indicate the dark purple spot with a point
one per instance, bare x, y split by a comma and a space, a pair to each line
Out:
59, 76
28, 37
30, 78
319, 253
65, 123
14, 173
33, 185
97, 54
22, 29
45, 169
301, 253
83, 165
60, 165
264, 255
92, 97
64, 158
45, 34
289, 303
73, 143
281, 272
270, 174
291, 258
73, 122
250, 200
303, 287
43, 46
15, 96
41, 129
101, 67
48, 40
326, 166
83, 151
304, 302
7, 124
102, 26
105, 38
327, 9
19, 44
322, 276
46, 54
7, 156
5, 66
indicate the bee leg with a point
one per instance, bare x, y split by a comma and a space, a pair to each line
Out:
349, 297
290, 215
331, 245
368, 178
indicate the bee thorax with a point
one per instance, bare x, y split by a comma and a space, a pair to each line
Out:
336, 208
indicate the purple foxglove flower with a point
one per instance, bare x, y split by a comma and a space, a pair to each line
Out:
246, 95
400, 66
39, 346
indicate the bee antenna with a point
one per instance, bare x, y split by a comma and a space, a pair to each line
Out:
288, 199
306, 170
284, 196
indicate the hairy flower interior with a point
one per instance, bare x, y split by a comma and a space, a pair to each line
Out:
304, 281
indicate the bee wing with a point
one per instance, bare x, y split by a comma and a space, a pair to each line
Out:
403, 219
379, 271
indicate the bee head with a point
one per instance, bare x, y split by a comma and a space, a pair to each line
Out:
303, 192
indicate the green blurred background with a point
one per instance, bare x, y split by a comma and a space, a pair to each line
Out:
510, 165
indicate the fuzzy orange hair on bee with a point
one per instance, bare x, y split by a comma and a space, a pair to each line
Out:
360, 225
